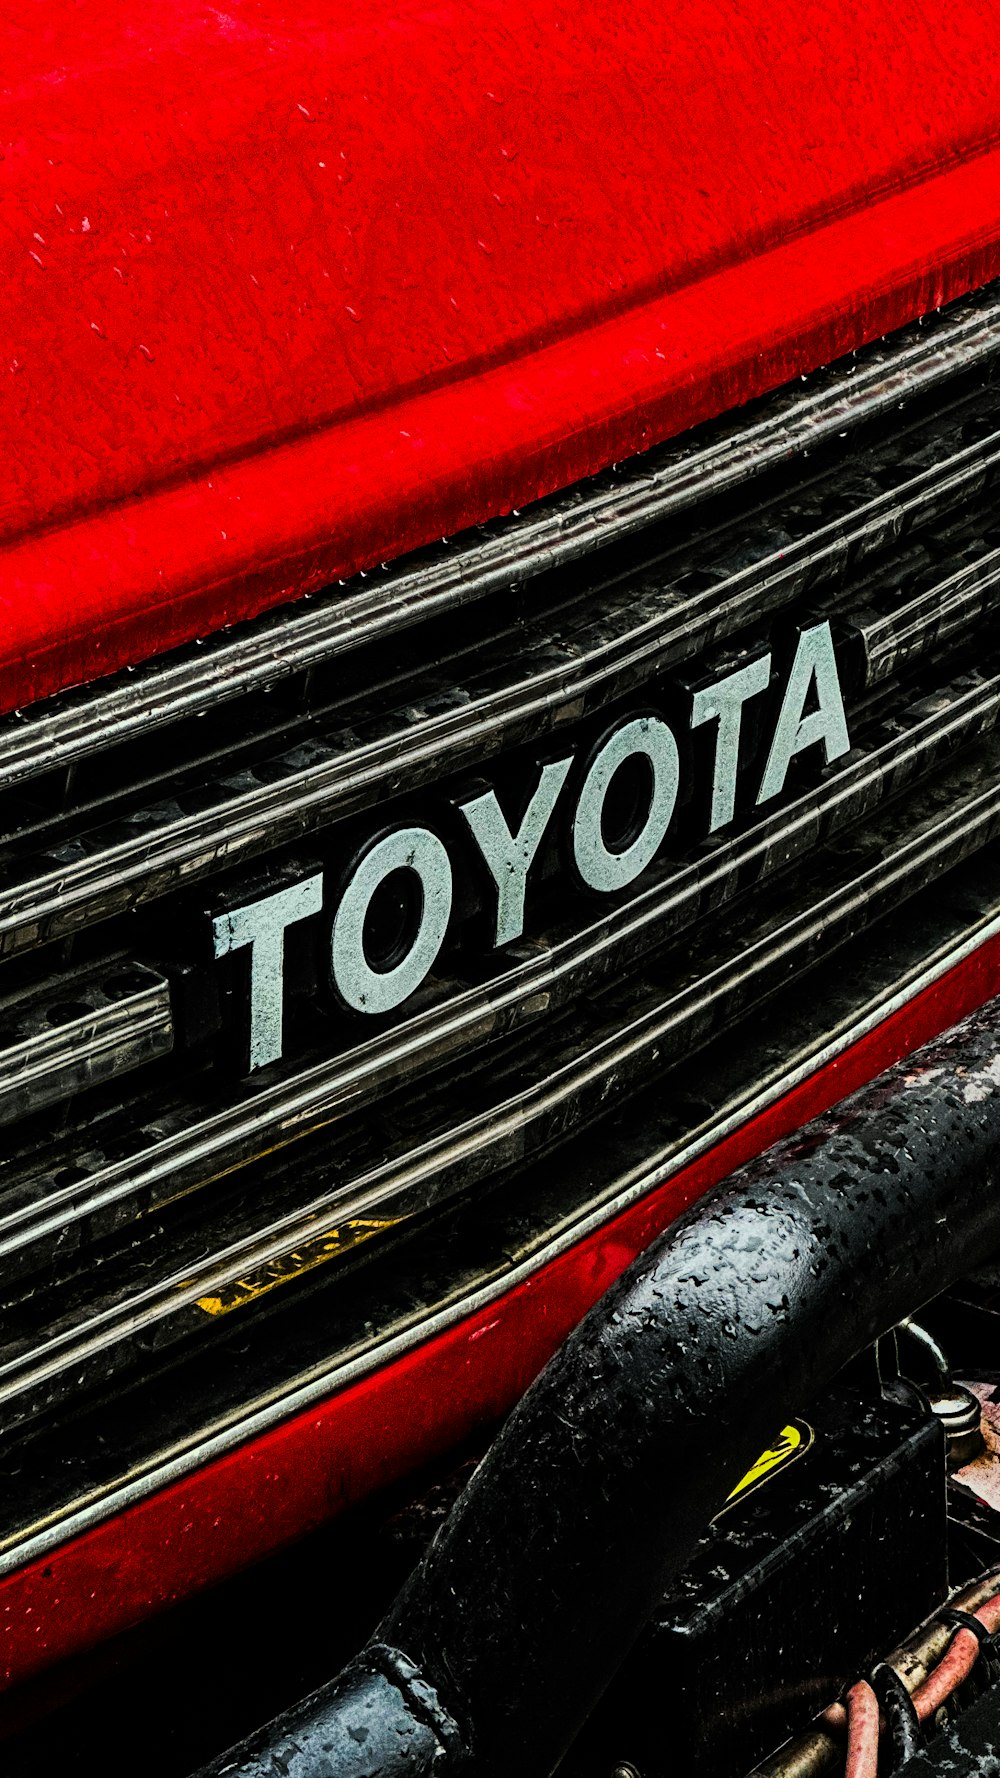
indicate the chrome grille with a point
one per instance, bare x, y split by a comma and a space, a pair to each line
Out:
634, 621
151, 1200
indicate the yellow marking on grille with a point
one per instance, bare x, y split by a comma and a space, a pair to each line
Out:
286, 1266
793, 1441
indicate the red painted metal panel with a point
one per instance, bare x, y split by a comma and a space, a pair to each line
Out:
252, 1501
289, 290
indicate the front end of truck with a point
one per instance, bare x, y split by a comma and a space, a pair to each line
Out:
499, 572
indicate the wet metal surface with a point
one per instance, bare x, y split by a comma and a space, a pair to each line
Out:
723, 1329
788, 1597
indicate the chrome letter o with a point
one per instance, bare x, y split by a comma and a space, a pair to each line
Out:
599, 867
355, 981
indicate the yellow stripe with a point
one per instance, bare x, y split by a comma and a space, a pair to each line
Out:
280, 1270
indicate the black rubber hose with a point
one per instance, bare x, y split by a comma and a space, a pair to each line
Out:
901, 1719
604, 1476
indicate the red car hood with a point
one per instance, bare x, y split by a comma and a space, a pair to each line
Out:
286, 291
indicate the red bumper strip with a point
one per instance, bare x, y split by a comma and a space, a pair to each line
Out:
243, 1506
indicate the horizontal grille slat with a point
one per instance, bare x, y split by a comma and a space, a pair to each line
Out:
77, 1030
940, 612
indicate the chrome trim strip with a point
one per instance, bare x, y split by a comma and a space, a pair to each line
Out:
893, 640
656, 486
655, 1170
34, 1215
649, 1030
625, 640
78, 1030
